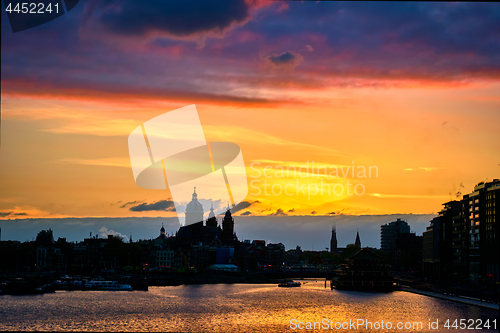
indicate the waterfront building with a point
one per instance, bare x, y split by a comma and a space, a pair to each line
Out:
402, 247
364, 270
388, 234
164, 259
483, 209
461, 243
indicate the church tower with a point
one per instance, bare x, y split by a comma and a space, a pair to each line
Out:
228, 227
212, 220
162, 232
333, 240
194, 211
358, 241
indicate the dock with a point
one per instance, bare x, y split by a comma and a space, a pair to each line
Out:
460, 299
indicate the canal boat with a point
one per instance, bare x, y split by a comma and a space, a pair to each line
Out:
106, 285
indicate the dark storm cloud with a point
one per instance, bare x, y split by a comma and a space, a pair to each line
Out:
372, 42
246, 213
285, 61
176, 17
162, 205
279, 212
242, 205
394, 40
6, 214
129, 203
283, 58
446, 27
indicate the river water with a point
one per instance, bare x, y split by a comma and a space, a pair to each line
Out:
234, 308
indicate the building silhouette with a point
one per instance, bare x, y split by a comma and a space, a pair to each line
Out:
389, 232
478, 258
196, 247
194, 232
461, 243
333, 240
201, 245
228, 235
364, 270
402, 247
437, 242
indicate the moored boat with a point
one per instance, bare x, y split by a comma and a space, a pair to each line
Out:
106, 285
289, 284
68, 284
26, 287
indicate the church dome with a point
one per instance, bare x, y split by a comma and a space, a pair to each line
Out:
211, 214
162, 232
194, 205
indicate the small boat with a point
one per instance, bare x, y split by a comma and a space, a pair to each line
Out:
289, 284
106, 285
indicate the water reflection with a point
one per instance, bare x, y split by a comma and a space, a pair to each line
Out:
222, 308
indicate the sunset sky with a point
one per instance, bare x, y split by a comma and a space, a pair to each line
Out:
412, 89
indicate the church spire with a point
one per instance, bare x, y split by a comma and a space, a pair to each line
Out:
228, 227
212, 220
358, 241
228, 211
333, 240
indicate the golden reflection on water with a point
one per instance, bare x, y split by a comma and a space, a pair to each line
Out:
224, 308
